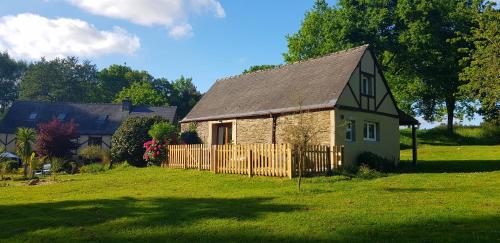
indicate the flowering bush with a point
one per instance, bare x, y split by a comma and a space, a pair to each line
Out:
155, 152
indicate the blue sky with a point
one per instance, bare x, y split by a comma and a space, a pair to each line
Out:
249, 33
202, 39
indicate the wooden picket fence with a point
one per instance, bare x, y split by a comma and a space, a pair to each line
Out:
277, 160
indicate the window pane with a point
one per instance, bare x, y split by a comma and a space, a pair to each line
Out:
371, 131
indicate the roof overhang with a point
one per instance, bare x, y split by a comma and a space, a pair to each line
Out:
272, 112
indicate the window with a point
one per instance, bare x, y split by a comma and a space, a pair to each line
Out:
96, 141
224, 133
349, 134
32, 116
61, 116
370, 131
367, 85
102, 119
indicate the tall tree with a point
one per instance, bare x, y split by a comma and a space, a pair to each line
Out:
115, 78
413, 40
142, 93
65, 79
10, 74
259, 68
25, 137
185, 95
483, 64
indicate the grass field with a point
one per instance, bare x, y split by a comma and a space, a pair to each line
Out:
155, 204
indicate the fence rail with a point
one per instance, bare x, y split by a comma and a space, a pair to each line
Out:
278, 160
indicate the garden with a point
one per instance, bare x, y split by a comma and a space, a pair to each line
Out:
450, 195
53, 149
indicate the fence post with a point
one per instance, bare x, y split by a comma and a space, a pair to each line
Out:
215, 158
289, 161
249, 161
184, 156
329, 159
199, 153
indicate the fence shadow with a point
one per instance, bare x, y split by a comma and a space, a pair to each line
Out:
53, 220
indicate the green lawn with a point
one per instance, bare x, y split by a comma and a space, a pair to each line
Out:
155, 204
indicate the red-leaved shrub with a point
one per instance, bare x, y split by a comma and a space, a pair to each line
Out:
56, 138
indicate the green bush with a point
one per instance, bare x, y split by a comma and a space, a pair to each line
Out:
364, 172
375, 161
190, 137
128, 141
58, 164
92, 154
92, 168
164, 132
9, 166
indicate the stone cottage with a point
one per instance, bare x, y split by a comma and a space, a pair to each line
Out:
96, 122
345, 92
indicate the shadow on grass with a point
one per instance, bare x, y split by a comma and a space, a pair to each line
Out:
175, 220
442, 229
25, 221
451, 166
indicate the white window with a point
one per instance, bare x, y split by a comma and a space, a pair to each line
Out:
61, 116
370, 131
102, 119
32, 116
367, 85
349, 133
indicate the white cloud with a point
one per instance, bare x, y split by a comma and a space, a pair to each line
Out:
32, 36
172, 14
181, 31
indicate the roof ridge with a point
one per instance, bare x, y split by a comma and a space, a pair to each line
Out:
280, 66
75, 103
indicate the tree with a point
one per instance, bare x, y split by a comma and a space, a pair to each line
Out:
142, 93
301, 134
66, 79
115, 78
255, 68
413, 39
10, 74
129, 139
482, 73
25, 137
57, 139
184, 96
164, 132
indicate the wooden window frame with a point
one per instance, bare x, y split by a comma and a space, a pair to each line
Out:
366, 132
371, 85
350, 128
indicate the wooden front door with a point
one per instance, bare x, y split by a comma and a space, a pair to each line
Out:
224, 133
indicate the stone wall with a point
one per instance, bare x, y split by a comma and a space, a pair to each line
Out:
201, 129
257, 130
320, 120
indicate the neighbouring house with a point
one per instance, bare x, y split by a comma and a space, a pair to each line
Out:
345, 92
96, 122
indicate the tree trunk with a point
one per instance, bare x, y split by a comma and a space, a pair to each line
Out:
25, 172
450, 109
301, 160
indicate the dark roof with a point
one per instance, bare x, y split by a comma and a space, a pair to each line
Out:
92, 119
407, 120
314, 84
